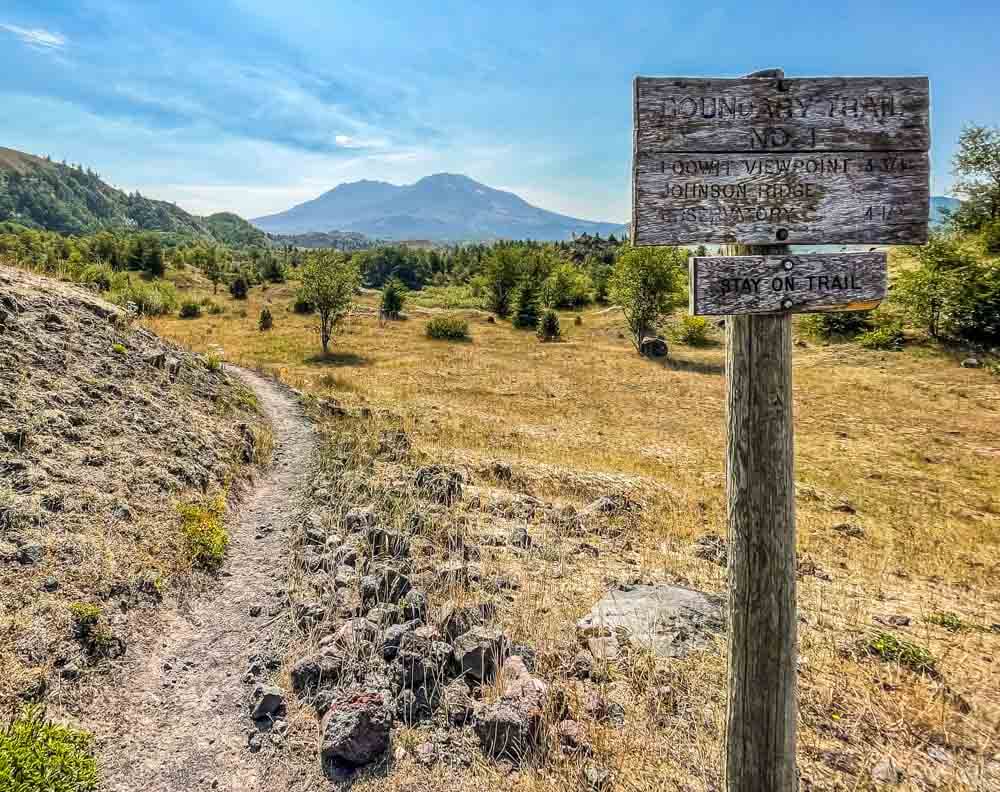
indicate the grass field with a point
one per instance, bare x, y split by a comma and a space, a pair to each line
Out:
898, 481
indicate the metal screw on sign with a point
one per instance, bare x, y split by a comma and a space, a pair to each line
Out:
787, 264
782, 234
786, 303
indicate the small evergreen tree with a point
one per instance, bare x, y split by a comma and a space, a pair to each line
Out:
266, 321
239, 287
393, 297
548, 327
526, 306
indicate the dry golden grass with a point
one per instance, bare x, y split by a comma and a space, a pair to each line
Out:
905, 445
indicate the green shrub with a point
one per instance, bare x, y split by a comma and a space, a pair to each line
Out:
37, 755
887, 336
239, 288
952, 622
836, 324
212, 361
893, 649
266, 321
567, 286
204, 531
991, 237
85, 616
152, 298
393, 297
548, 327
448, 328
89, 630
119, 349
100, 275
693, 330
214, 308
303, 306
190, 310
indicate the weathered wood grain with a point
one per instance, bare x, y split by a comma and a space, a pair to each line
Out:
682, 114
724, 285
842, 198
760, 484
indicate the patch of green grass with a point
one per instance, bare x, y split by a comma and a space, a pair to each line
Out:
204, 531
893, 649
952, 622
212, 361
119, 349
450, 297
37, 755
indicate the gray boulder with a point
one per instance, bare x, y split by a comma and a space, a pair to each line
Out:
316, 672
669, 620
268, 700
384, 584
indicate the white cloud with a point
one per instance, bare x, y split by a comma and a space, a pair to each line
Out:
37, 37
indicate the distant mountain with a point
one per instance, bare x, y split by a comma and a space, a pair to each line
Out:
443, 207
39, 193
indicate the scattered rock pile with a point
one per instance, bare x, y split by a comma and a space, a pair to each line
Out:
385, 657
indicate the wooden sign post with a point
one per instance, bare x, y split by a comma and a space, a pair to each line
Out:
760, 163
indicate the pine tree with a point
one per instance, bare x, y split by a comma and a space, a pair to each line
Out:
548, 327
526, 306
393, 296
266, 321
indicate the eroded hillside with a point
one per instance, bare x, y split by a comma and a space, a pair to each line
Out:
117, 452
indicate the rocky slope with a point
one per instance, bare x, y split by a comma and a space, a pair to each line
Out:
106, 431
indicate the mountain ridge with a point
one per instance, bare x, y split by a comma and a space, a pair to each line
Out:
39, 193
440, 207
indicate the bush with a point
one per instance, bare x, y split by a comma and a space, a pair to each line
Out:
239, 288
153, 298
212, 361
693, 330
448, 328
266, 321
119, 349
303, 306
37, 755
888, 336
567, 286
836, 324
190, 310
548, 327
204, 532
393, 297
214, 308
100, 275
893, 649
991, 237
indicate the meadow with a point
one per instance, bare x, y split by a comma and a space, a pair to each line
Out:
898, 514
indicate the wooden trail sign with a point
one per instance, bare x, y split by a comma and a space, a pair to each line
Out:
780, 161
790, 283
764, 162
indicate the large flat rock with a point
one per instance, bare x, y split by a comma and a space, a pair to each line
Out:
669, 620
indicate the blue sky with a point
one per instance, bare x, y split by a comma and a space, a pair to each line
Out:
253, 106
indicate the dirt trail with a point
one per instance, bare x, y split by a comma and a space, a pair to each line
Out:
179, 721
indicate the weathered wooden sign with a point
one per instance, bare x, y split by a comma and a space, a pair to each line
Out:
786, 284
781, 161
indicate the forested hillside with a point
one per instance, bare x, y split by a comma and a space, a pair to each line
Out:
71, 199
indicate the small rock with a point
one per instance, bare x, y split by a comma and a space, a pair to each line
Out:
384, 584
50, 584
70, 672
414, 605
851, 530
439, 483
583, 665
254, 744
316, 672
425, 754
394, 635
31, 554
477, 653
268, 701
254, 611
357, 520
653, 346
597, 779
971, 362
573, 737
355, 730
458, 704
886, 772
